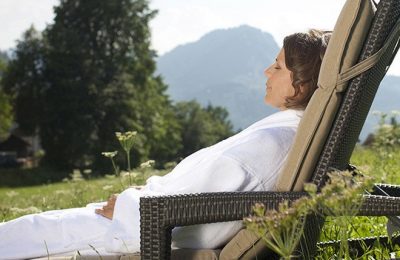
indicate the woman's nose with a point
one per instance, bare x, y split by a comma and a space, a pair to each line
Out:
267, 72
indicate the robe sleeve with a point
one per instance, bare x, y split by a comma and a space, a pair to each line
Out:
226, 175
252, 165
221, 173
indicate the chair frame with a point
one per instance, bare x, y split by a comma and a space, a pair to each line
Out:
160, 214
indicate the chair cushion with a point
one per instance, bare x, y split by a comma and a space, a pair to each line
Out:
343, 50
245, 245
195, 254
177, 254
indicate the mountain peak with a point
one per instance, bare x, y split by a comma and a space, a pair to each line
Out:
223, 66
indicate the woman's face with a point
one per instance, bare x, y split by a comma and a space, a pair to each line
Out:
279, 83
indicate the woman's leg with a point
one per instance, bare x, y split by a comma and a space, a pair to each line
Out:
53, 232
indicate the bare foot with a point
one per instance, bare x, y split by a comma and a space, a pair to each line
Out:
108, 209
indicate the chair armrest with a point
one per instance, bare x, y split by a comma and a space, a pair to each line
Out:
158, 215
386, 189
377, 205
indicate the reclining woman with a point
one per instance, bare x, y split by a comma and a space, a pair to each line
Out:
248, 161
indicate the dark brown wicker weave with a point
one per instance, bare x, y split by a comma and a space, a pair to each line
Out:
160, 214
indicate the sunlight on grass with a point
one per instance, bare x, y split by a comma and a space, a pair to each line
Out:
78, 191
15, 202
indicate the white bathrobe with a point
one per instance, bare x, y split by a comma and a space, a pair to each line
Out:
247, 161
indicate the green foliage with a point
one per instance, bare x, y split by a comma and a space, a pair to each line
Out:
100, 68
201, 127
387, 134
6, 113
127, 140
282, 228
89, 74
23, 80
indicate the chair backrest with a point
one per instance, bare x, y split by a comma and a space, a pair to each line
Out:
356, 60
380, 48
334, 117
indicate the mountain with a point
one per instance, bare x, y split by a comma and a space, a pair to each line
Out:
386, 100
225, 68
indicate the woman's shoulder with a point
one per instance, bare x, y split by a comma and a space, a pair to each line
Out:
285, 118
264, 140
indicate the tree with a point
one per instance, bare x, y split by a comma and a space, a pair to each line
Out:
100, 68
201, 127
93, 71
23, 80
6, 115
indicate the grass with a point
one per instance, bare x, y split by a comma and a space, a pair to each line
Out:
74, 192
383, 166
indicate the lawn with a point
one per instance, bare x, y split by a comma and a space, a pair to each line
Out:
76, 191
80, 189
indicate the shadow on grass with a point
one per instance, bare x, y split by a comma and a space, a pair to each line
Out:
29, 177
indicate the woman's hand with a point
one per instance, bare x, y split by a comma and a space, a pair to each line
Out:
108, 209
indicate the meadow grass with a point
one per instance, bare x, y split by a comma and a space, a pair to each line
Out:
383, 166
73, 192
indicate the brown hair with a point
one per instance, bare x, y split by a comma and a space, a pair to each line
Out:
303, 57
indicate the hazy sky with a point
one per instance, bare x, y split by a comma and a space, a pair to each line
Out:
182, 21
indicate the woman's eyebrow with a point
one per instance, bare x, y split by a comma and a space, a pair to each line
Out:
277, 61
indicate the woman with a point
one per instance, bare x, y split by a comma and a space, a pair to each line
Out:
247, 161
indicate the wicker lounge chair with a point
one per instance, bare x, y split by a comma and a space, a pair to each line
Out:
363, 45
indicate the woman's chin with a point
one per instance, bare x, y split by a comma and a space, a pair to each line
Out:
268, 102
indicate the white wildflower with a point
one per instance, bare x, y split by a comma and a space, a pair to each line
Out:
110, 154
147, 164
129, 174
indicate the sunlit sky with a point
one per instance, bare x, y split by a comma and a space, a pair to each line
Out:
183, 21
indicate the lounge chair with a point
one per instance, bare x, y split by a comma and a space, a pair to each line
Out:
363, 45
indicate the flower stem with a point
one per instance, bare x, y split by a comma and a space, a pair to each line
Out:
129, 160
115, 167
